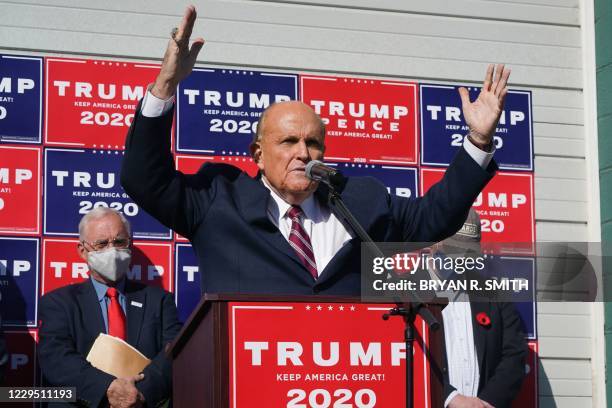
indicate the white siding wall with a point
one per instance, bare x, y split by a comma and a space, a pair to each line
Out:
434, 40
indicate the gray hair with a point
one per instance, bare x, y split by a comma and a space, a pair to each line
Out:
101, 212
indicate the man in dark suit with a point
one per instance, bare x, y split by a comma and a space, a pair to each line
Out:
73, 316
485, 344
3, 353
278, 233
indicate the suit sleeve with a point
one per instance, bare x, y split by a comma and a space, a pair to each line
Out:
157, 383
505, 383
61, 363
149, 178
441, 212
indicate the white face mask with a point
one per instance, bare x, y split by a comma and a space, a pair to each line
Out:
111, 263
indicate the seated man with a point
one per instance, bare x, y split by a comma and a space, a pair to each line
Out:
3, 353
485, 344
73, 316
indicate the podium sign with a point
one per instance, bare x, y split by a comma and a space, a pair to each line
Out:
321, 355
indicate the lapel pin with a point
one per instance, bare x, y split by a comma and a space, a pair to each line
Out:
134, 303
483, 319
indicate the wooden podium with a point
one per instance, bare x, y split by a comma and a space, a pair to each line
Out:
204, 364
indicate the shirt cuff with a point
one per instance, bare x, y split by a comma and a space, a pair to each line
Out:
450, 398
153, 107
480, 156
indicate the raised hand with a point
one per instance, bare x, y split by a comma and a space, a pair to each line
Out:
179, 59
482, 115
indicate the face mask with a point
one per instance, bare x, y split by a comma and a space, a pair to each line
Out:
111, 263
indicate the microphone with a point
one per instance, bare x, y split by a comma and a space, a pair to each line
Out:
317, 171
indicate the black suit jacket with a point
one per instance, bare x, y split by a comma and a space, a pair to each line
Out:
501, 350
223, 212
71, 320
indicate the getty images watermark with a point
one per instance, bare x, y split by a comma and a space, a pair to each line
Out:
497, 272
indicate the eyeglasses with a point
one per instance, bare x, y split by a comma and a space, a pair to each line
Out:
120, 243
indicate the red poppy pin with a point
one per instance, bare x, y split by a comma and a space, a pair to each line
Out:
483, 319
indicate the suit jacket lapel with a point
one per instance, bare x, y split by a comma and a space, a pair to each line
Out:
88, 301
352, 198
134, 314
253, 203
480, 332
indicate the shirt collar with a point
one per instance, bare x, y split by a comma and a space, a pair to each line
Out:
280, 207
101, 287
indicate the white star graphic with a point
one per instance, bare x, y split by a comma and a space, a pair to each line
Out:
352, 308
308, 307
330, 307
319, 307
341, 308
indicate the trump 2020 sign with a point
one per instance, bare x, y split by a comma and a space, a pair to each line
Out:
19, 190
443, 127
367, 120
187, 289
360, 362
505, 206
218, 109
91, 103
400, 181
78, 180
20, 99
19, 281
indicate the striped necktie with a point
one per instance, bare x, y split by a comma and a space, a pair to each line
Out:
300, 241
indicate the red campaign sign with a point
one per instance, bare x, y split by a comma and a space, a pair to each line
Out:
528, 395
152, 264
62, 265
91, 103
367, 120
21, 365
191, 164
321, 354
506, 208
19, 190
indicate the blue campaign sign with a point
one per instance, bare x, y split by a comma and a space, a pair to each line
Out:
218, 109
443, 127
19, 281
187, 291
513, 267
401, 181
20, 99
76, 181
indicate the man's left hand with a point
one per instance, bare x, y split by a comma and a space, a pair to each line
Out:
483, 114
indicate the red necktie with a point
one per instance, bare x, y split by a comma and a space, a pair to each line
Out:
300, 241
116, 318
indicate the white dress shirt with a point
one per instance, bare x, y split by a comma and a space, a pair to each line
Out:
461, 355
462, 360
327, 234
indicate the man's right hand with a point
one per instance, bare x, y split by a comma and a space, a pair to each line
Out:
122, 393
179, 59
461, 401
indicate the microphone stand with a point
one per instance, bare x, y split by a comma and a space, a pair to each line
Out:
407, 310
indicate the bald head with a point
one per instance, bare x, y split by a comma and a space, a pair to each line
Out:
278, 109
289, 135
